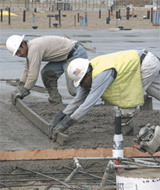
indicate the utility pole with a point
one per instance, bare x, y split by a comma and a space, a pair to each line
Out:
157, 3
27, 5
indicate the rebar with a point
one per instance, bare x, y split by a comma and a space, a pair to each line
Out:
44, 175
5, 186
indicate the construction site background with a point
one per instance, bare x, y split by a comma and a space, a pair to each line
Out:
73, 4
31, 14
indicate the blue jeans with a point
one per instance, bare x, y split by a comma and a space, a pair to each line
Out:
53, 70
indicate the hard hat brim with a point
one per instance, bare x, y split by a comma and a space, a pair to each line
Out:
22, 37
77, 83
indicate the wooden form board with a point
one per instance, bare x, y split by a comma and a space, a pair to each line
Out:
55, 154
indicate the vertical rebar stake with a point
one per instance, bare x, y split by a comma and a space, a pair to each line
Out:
118, 137
117, 150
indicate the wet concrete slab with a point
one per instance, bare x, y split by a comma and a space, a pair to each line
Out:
105, 41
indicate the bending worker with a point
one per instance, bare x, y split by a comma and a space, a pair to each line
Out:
57, 51
121, 78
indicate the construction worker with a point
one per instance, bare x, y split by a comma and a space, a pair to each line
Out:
121, 78
57, 51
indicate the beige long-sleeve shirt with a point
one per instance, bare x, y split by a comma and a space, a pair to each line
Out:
46, 48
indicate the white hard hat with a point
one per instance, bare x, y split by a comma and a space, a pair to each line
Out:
77, 69
13, 43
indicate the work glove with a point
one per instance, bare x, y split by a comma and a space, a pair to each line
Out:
58, 117
20, 92
64, 124
20, 85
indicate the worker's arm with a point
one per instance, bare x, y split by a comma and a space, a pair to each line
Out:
99, 85
74, 104
81, 95
29, 77
21, 91
34, 62
65, 119
25, 72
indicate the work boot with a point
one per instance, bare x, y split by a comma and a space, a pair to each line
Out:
54, 96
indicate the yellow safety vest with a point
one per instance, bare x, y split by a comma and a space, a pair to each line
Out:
126, 90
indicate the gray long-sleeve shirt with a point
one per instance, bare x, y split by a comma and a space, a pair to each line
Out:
86, 99
46, 48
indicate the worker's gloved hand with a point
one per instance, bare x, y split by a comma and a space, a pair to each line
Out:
20, 85
62, 126
65, 123
22, 92
58, 117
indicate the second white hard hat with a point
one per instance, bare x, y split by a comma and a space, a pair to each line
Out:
76, 70
13, 43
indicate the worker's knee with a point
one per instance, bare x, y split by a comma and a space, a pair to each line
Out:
47, 73
49, 78
44, 75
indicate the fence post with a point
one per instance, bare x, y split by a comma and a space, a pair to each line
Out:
75, 20
148, 14
24, 16
151, 14
100, 13
1, 15
109, 13
59, 17
9, 16
127, 13
49, 22
77, 17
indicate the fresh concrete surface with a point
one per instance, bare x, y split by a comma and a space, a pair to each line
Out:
16, 132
